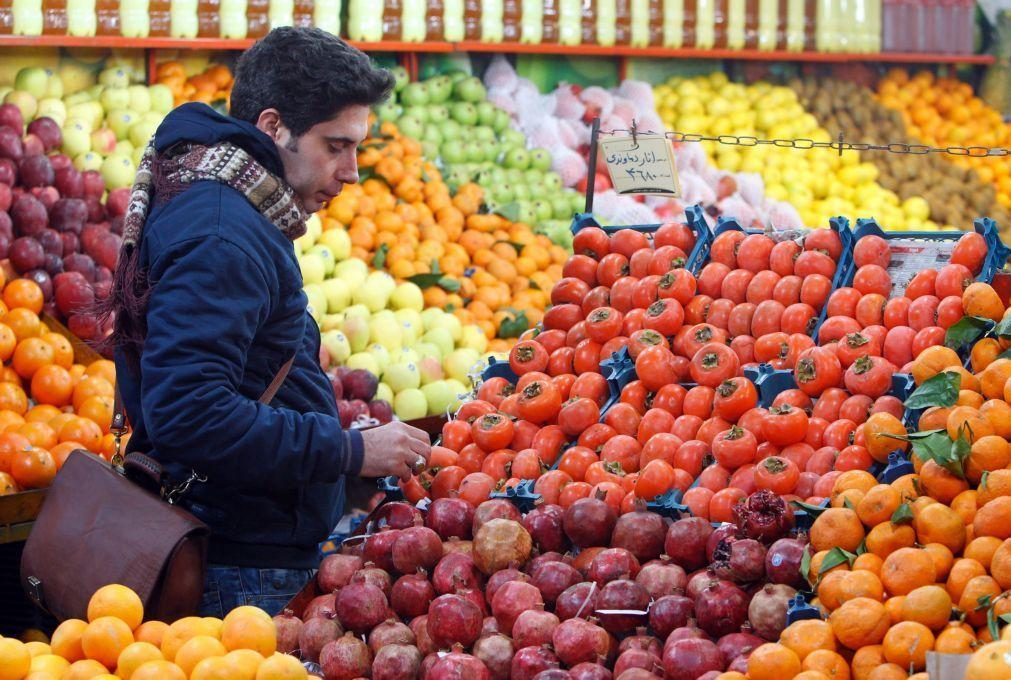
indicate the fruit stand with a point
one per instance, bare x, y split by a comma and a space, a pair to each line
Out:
758, 427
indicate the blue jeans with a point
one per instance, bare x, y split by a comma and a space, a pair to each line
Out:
226, 588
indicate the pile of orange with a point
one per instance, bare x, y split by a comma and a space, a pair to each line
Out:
49, 405
116, 642
214, 84
945, 112
404, 218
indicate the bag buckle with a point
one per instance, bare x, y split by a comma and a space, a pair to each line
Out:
172, 494
34, 590
118, 428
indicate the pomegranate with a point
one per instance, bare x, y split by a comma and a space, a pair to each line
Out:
685, 632
500, 578
459, 666
378, 549
626, 597
612, 564
635, 658
670, 612
419, 626
736, 644
642, 640
661, 578
450, 517
390, 632
475, 596
416, 548
501, 543
412, 594
552, 578
721, 533
589, 522
496, 652
345, 657
545, 523
688, 659
739, 664
578, 600
456, 570
553, 674
335, 571
584, 559
398, 515
640, 532
534, 628
589, 671
453, 619
638, 674
764, 516
741, 560
496, 508
528, 662
782, 562
315, 635
512, 599
361, 607
322, 605
721, 608
578, 640
288, 627
490, 625
685, 543
373, 575
767, 610
455, 545
426, 665
544, 558
395, 662
696, 582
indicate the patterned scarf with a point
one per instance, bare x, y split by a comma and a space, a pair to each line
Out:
166, 175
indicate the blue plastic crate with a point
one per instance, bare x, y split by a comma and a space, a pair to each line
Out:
800, 610
926, 249
695, 220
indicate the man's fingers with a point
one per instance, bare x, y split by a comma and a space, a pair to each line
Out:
420, 448
415, 433
406, 472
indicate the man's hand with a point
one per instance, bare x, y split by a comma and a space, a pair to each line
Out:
394, 449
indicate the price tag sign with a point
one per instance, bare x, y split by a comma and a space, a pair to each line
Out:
641, 164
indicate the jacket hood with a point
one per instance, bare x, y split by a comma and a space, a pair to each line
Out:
199, 123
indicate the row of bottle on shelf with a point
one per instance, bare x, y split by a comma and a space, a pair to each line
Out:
850, 26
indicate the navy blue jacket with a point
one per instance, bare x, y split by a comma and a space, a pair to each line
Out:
226, 311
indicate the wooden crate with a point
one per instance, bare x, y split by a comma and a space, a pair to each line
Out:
17, 513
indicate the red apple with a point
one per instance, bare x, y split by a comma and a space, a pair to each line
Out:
68, 214
84, 326
69, 182
96, 211
6, 226
46, 130
11, 144
79, 264
10, 115
60, 161
8, 172
33, 145
41, 277
6, 196
74, 297
71, 244
117, 202
36, 171
27, 254
94, 185
48, 195
54, 264
51, 242
29, 215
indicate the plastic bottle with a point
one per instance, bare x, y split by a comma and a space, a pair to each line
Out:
326, 14
655, 23
531, 22
160, 13
771, 25
639, 23
735, 23
412, 21
588, 24
691, 21
183, 19
390, 26
302, 13
512, 20
433, 20
607, 20
810, 23
281, 13
751, 11
107, 17
472, 19
81, 19
874, 26
233, 19
623, 22
673, 23
889, 25
549, 21
208, 18
54, 17
705, 24
27, 16
824, 25
257, 21
133, 18
569, 21
491, 21
452, 20
6, 17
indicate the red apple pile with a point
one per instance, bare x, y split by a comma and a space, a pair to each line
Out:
355, 392
54, 227
577, 592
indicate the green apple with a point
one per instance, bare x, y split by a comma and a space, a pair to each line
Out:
452, 324
430, 370
561, 208
331, 322
431, 150
526, 213
402, 376
384, 393
124, 147
34, 80
356, 330
486, 113
432, 135
427, 350
114, 77
429, 316
120, 120
74, 76
440, 397
459, 363
383, 281
440, 88
352, 271
540, 159
469, 90
517, 158
113, 98
88, 160
522, 192
338, 295
408, 296
54, 108
578, 201
543, 209
450, 129
24, 101
411, 316
405, 355
103, 141
317, 301
118, 171
381, 355
437, 113
339, 243
386, 331
501, 122
313, 269
483, 133
472, 337
410, 405
441, 338
326, 255
388, 111
414, 94
459, 390
337, 345
463, 113
140, 98
513, 138
363, 360
76, 138
162, 100
400, 78
360, 311
409, 330
141, 132
475, 151
552, 181
373, 297
453, 151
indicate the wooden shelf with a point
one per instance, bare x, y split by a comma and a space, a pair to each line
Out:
505, 48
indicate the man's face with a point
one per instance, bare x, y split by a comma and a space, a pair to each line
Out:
318, 164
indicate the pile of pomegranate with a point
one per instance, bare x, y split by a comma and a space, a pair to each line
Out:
580, 593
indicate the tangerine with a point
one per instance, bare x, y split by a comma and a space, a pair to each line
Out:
773, 661
119, 601
860, 622
907, 569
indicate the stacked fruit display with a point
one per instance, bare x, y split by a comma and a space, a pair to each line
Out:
117, 642
211, 86
955, 194
820, 183
944, 112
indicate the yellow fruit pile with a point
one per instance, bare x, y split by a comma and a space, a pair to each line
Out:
945, 112
405, 219
114, 643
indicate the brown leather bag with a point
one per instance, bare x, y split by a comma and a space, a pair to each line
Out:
103, 524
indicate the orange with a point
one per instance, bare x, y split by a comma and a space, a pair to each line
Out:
98, 409
992, 518
105, 638
894, 607
196, 649
831, 664
929, 605
135, 655
965, 505
934, 418
119, 601
886, 538
998, 412
245, 663
90, 386
939, 483
48, 663
41, 413
907, 643
7, 484
84, 431
16, 660
281, 667
817, 559
867, 659
983, 550
990, 662
966, 420
39, 434
993, 485
24, 322
830, 588
806, 636
151, 631
837, 527
954, 640
980, 299
24, 293
11, 445
30, 355
937, 523
977, 587
8, 341
1000, 565
52, 384
860, 622
932, 361
868, 562
963, 571
182, 630
854, 479
772, 661
85, 669
860, 583
66, 640
983, 353
63, 351
878, 505
888, 671
907, 569
102, 368
34, 469
158, 670
875, 430
13, 398
249, 631
988, 454
943, 559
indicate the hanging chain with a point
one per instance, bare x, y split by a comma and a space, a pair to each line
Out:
840, 145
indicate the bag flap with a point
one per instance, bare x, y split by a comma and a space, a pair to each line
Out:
95, 528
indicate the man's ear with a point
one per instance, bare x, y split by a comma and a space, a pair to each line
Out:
269, 122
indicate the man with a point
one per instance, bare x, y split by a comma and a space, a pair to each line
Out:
209, 306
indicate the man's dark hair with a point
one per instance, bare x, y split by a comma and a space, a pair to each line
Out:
308, 75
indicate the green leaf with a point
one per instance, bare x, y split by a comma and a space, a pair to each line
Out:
1003, 329
935, 446
941, 390
1004, 618
862, 548
966, 331
902, 515
991, 624
983, 601
434, 266
514, 328
510, 211
805, 567
813, 510
834, 558
428, 280
448, 284
847, 503
960, 450
380, 259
